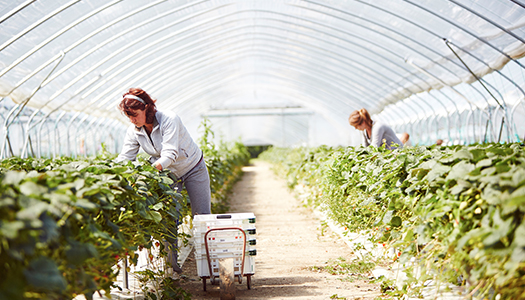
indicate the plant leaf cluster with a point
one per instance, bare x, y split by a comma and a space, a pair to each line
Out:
65, 223
457, 211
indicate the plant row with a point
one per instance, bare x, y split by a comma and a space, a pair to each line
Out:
456, 211
65, 223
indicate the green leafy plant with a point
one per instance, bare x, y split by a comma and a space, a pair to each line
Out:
158, 285
66, 223
456, 211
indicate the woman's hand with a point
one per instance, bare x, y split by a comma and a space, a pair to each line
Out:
158, 167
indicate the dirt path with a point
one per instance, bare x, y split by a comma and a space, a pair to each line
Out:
290, 240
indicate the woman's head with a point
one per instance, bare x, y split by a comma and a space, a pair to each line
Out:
360, 117
137, 99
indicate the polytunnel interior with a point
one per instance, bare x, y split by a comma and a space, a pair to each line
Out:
284, 73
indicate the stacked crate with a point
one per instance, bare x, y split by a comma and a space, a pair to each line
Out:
225, 243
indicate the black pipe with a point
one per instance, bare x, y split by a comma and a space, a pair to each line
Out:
501, 128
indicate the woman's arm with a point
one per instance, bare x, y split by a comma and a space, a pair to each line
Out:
130, 148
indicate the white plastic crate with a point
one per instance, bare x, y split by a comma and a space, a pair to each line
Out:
218, 243
248, 217
220, 237
203, 271
223, 248
226, 233
227, 237
203, 223
224, 243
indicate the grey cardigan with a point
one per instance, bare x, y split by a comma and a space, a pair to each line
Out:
381, 134
169, 143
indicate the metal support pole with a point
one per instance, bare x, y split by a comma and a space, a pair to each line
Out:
125, 273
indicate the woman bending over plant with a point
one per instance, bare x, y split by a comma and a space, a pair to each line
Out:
163, 136
374, 133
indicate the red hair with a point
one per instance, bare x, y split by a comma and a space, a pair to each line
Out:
128, 105
358, 117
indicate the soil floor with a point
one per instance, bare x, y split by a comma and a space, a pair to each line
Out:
292, 246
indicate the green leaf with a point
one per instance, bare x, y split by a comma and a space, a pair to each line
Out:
7, 202
59, 200
492, 151
79, 184
493, 180
491, 195
32, 212
437, 171
460, 170
460, 186
387, 218
518, 256
83, 203
158, 206
408, 236
500, 229
119, 169
470, 235
518, 178
29, 188
10, 229
77, 253
477, 154
43, 273
396, 221
13, 177
463, 154
517, 197
487, 162
418, 173
114, 227
488, 171
153, 215
50, 230
519, 235
502, 167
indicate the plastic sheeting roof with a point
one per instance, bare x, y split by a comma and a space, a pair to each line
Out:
251, 57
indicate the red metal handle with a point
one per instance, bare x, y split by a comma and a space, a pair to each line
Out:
208, 251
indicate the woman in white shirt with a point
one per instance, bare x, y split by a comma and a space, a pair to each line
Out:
374, 133
163, 136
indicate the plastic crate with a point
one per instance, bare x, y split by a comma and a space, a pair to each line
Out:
225, 236
248, 217
225, 243
203, 271
222, 248
203, 223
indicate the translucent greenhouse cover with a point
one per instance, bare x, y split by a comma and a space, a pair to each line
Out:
269, 71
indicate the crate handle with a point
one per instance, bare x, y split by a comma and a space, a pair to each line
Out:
224, 216
208, 250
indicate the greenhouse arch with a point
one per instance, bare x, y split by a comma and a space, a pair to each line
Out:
450, 70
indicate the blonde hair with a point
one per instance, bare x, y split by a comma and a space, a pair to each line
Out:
358, 117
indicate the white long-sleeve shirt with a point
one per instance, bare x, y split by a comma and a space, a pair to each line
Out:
169, 144
381, 134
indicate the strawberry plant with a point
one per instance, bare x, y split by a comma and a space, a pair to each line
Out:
457, 211
65, 223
